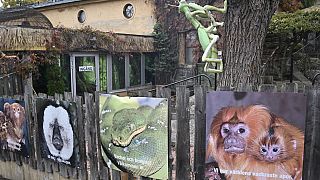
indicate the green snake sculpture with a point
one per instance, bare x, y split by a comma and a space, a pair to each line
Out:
134, 137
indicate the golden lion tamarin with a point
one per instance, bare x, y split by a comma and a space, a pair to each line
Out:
15, 117
280, 150
230, 131
238, 140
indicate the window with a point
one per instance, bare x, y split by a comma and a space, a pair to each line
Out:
65, 64
135, 69
128, 11
85, 74
81, 16
103, 72
118, 72
150, 68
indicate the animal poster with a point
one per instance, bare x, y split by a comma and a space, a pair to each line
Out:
13, 126
255, 135
134, 134
56, 121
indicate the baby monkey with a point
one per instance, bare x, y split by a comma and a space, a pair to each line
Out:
276, 146
282, 145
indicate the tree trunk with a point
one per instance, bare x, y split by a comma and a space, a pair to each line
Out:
246, 25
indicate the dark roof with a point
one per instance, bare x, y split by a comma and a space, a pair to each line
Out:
52, 3
23, 17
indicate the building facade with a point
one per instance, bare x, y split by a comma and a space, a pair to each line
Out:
110, 49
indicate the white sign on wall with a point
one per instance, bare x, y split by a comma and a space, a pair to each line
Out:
86, 68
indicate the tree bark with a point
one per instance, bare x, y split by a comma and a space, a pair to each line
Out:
246, 25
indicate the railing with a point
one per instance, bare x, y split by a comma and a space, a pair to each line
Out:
187, 79
315, 78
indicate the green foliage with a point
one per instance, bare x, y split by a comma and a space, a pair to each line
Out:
12, 3
165, 61
24, 63
308, 3
55, 83
300, 21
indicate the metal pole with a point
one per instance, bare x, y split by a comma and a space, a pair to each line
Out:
291, 68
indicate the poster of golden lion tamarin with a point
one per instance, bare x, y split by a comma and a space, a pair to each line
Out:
13, 126
255, 136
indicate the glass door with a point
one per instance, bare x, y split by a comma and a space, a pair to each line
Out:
85, 73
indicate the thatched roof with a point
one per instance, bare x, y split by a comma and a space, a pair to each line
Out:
19, 39
24, 17
24, 39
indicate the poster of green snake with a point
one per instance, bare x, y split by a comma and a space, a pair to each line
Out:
134, 134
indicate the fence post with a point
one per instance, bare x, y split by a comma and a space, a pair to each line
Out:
28, 97
245, 87
267, 84
183, 134
116, 175
289, 87
40, 161
67, 96
103, 172
63, 169
267, 88
90, 137
224, 88
6, 86
312, 154
200, 131
82, 144
1, 86
166, 93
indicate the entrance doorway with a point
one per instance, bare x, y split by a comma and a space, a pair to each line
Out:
84, 73
106, 73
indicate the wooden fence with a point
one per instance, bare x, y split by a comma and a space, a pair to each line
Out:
91, 166
10, 85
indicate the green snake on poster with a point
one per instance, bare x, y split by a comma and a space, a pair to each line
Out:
136, 136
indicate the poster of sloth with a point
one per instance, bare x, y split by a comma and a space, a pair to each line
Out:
255, 135
13, 126
56, 121
134, 134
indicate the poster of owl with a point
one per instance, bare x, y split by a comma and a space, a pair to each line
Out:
56, 128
